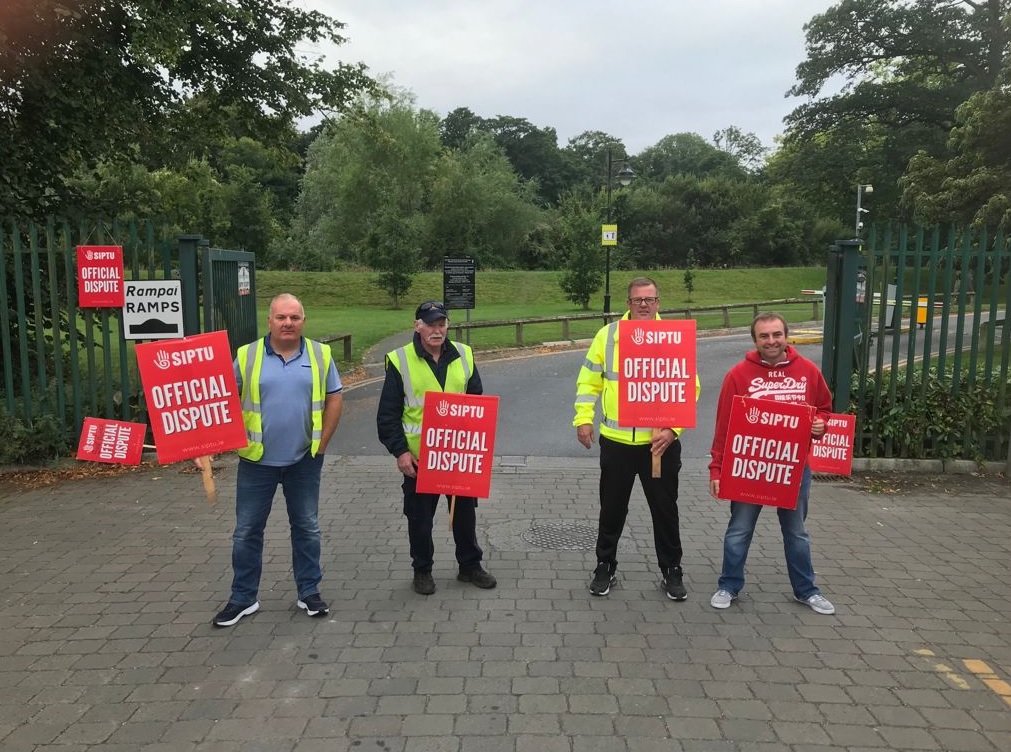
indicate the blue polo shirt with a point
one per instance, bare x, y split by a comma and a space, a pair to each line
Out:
286, 403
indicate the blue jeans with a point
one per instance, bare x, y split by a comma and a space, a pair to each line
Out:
796, 543
254, 491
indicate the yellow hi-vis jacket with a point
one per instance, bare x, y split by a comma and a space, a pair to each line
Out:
250, 358
598, 379
418, 379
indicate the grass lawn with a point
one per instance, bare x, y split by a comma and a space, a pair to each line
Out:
339, 302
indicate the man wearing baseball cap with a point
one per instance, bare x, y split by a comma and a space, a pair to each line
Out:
431, 362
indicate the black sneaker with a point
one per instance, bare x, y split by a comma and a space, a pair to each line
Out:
673, 585
232, 612
423, 583
313, 605
478, 577
603, 577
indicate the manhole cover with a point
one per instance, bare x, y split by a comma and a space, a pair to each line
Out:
561, 536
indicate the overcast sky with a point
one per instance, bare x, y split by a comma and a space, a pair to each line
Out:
638, 70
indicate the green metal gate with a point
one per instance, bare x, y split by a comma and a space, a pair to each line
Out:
230, 294
918, 342
66, 363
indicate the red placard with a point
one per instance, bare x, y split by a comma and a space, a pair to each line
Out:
457, 444
656, 373
100, 276
767, 446
114, 441
833, 453
191, 396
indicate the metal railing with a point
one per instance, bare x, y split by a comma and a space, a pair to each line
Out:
723, 312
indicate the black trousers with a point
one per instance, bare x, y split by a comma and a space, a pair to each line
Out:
420, 512
620, 464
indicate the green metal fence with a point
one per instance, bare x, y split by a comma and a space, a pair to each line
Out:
931, 361
58, 359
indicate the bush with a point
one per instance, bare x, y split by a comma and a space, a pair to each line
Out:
926, 419
38, 442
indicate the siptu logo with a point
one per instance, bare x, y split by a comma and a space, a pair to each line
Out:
442, 408
753, 415
89, 255
162, 360
638, 336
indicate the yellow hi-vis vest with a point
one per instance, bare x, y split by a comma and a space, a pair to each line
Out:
418, 379
598, 378
250, 359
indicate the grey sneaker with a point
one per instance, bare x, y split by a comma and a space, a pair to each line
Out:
722, 598
818, 603
603, 577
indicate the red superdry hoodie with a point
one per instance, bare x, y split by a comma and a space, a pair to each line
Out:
795, 379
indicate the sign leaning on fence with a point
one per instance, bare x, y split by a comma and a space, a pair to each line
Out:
833, 452
113, 441
765, 453
153, 309
100, 276
192, 396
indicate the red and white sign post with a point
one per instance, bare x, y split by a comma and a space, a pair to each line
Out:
100, 276
766, 450
833, 452
192, 398
656, 377
457, 445
113, 441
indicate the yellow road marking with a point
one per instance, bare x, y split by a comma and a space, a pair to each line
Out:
987, 675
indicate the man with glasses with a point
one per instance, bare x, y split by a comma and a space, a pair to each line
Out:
626, 453
431, 362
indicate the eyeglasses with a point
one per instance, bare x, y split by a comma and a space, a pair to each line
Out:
643, 301
431, 306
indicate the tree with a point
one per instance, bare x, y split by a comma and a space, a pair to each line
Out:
906, 66
458, 126
534, 154
745, 148
373, 164
587, 153
394, 250
577, 228
477, 205
84, 81
690, 274
684, 154
973, 185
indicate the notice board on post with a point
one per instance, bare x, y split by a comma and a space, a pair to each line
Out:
458, 275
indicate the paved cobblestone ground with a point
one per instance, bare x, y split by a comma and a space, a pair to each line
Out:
107, 588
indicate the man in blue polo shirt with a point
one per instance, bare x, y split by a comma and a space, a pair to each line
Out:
291, 405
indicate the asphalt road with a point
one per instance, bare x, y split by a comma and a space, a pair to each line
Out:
536, 394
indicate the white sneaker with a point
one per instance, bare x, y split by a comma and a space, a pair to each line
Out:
722, 599
817, 602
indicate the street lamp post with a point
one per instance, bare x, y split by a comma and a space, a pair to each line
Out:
862, 188
624, 177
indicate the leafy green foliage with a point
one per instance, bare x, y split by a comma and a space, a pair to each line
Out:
690, 274
85, 81
38, 442
932, 417
907, 65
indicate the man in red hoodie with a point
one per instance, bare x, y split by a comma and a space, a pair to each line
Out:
773, 370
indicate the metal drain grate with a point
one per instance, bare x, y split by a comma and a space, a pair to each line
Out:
561, 536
